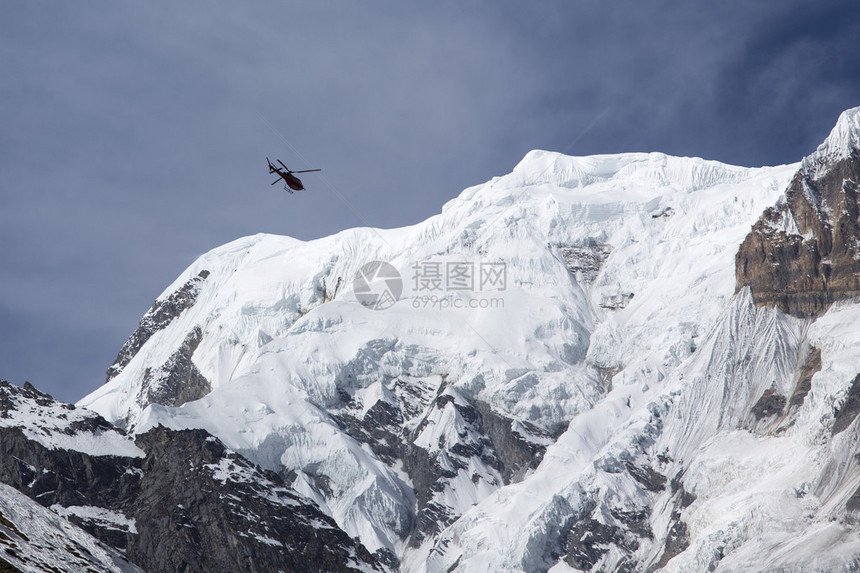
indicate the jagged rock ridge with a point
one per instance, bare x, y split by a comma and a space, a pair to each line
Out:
178, 380
162, 313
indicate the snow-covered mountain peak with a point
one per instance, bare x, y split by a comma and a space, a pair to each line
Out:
845, 135
545, 218
842, 143
521, 305
654, 170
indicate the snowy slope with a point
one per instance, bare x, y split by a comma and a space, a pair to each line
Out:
841, 143
57, 425
35, 539
617, 269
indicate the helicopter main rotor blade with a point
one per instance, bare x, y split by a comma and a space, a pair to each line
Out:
282, 163
307, 170
275, 181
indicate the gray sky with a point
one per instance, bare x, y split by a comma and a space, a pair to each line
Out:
134, 135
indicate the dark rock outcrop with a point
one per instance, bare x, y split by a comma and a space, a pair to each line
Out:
34, 539
589, 540
811, 366
178, 380
592, 535
64, 476
584, 261
70, 478
161, 314
489, 446
848, 409
202, 507
804, 253
516, 453
770, 404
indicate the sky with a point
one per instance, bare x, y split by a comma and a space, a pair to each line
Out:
133, 136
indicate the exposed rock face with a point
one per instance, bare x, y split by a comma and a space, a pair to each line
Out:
602, 535
57, 455
182, 502
849, 409
204, 508
803, 254
584, 261
177, 381
487, 448
161, 314
71, 479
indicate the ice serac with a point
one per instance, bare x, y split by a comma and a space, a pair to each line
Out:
804, 253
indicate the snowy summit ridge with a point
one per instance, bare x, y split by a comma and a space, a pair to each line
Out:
569, 380
844, 138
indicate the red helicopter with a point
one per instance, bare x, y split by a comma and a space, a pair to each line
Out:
291, 182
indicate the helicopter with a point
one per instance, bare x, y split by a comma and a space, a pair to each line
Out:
291, 182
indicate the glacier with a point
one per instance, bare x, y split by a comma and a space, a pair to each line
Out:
616, 404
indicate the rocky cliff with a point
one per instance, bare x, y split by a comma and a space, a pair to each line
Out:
803, 253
